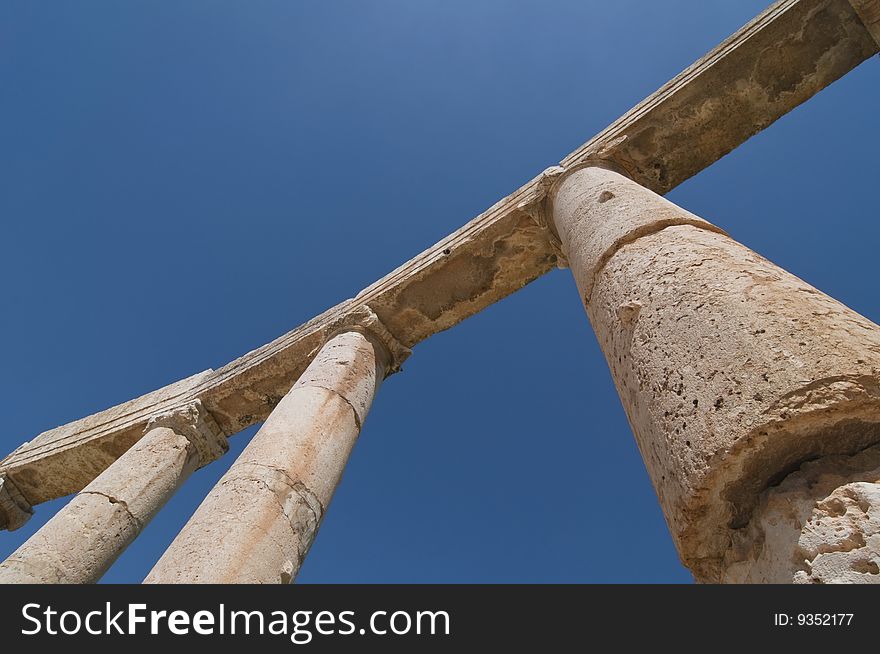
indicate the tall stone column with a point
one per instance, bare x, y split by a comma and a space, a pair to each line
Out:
84, 538
258, 522
754, 397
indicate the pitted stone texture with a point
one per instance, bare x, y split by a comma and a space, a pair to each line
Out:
588, 244
791, 51
731, 370
821, 524
258, 522
14, 509
84, 538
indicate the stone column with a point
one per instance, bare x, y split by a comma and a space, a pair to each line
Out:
258, 522
746, 387
83, 540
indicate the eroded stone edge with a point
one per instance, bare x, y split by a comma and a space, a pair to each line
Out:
196, 423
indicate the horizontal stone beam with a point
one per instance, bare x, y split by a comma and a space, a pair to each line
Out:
779, 60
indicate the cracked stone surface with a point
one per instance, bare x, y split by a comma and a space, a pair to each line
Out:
820, 525
257, 524
84, 538
714, 434
731, 370
779, 60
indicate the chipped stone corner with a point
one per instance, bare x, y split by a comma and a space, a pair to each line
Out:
365, 320
197, 424
15, 510
819, 525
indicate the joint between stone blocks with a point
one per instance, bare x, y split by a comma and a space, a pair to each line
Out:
196, 423
363, 319
15, 510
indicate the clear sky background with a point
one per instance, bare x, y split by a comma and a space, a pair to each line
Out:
181, 182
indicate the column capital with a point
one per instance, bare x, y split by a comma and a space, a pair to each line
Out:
535, 206
197, 424
596, 208
15, 510
363, 319
539, 204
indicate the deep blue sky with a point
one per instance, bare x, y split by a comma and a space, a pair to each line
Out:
183, 181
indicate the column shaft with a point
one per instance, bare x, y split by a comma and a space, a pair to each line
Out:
733, 372
258, 522
84, 538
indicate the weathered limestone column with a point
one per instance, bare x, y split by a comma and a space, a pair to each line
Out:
83, 540
747, 389
258, 522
